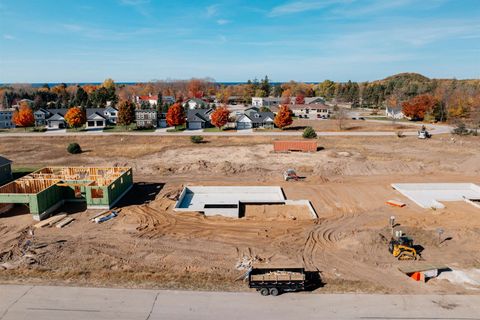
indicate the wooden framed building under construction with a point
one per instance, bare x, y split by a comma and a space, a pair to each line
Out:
47, 189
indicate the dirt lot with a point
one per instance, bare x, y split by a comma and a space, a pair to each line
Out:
348, 182
351, 125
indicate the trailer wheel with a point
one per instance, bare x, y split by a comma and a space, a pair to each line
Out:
274, 292
264, 291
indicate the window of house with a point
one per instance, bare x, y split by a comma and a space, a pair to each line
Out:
91, 123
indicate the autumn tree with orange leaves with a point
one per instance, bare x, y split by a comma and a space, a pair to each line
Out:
219, 117
175, 115
196, 88
23, 117
75, 117
418, 106
283, 117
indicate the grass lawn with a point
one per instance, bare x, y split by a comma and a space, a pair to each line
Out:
389, 119
143, 129
177, 128
79, 129
119, 128
214, 129
23, 130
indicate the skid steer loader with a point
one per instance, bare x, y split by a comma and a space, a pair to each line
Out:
402, 248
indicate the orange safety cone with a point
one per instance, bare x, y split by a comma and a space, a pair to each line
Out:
417, 276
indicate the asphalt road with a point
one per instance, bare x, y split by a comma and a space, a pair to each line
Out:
74, 303
433, 129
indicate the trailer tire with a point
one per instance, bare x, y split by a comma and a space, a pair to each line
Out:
264, 291
274, 292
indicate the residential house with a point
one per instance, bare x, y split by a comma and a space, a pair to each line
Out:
111, 114
251, 110
313, 100
146, 118
256, 120
95, 119
195, 103
394, 113
57, 121
266, 101
311, 111
41, 116
168, 99
5, 170
6, 118
150, 99
198, 119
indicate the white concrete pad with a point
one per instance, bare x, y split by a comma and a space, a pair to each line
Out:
429, 195
225, 200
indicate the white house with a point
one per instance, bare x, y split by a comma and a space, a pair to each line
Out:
394, 113
56, 121
150, 99
311, 111
6, 119
96, 120
266, 101
111, 113
195, 103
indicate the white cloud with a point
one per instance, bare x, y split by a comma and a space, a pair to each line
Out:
223, 21
8, 37
305, 5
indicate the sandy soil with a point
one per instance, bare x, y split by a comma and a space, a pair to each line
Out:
352, 125
149, 245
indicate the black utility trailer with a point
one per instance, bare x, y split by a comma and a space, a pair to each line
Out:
273, 281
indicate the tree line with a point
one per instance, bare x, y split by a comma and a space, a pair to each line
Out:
440, 99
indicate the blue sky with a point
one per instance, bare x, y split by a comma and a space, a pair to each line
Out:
233, 40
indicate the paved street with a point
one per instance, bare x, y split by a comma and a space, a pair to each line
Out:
433, 129
73, 303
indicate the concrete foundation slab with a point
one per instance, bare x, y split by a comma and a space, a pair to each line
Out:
227, 200
429, 195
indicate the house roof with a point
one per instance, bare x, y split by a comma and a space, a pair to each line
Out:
198, 101
308, 106
260, 117
56, 117
198, 115
96, 115
268, 98
310, 100
4, 161
110, 109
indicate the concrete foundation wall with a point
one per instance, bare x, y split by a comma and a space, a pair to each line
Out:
429, 195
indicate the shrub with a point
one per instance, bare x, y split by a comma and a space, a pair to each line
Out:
309, 133
196, 139
74, 148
